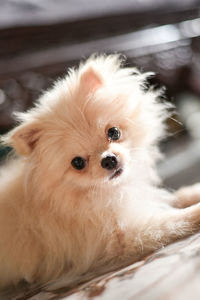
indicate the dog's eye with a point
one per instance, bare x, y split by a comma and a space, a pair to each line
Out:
78, 163
114, 134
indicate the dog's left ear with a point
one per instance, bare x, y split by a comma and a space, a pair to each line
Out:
24, 137
90, 80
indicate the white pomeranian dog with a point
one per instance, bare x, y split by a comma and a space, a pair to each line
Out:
82, 190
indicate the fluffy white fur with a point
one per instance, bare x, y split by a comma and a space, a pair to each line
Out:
54, 218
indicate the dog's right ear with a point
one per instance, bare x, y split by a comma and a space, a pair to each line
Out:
90, 81
24, 137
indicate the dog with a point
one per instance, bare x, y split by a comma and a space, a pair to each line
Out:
82, 190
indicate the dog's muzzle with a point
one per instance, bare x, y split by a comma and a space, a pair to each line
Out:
110, 162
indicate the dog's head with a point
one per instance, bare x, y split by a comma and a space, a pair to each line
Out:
96, 126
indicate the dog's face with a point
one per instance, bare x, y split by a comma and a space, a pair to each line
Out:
91, 129
99, 151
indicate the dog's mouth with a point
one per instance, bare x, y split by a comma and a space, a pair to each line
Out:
116, 173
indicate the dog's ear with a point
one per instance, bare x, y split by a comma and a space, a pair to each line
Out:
24, 137
90, 81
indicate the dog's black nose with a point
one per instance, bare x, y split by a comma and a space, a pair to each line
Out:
109, 162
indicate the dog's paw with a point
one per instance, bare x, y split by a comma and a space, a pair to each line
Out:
187, 196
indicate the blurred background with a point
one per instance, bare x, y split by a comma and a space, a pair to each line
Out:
40, 39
